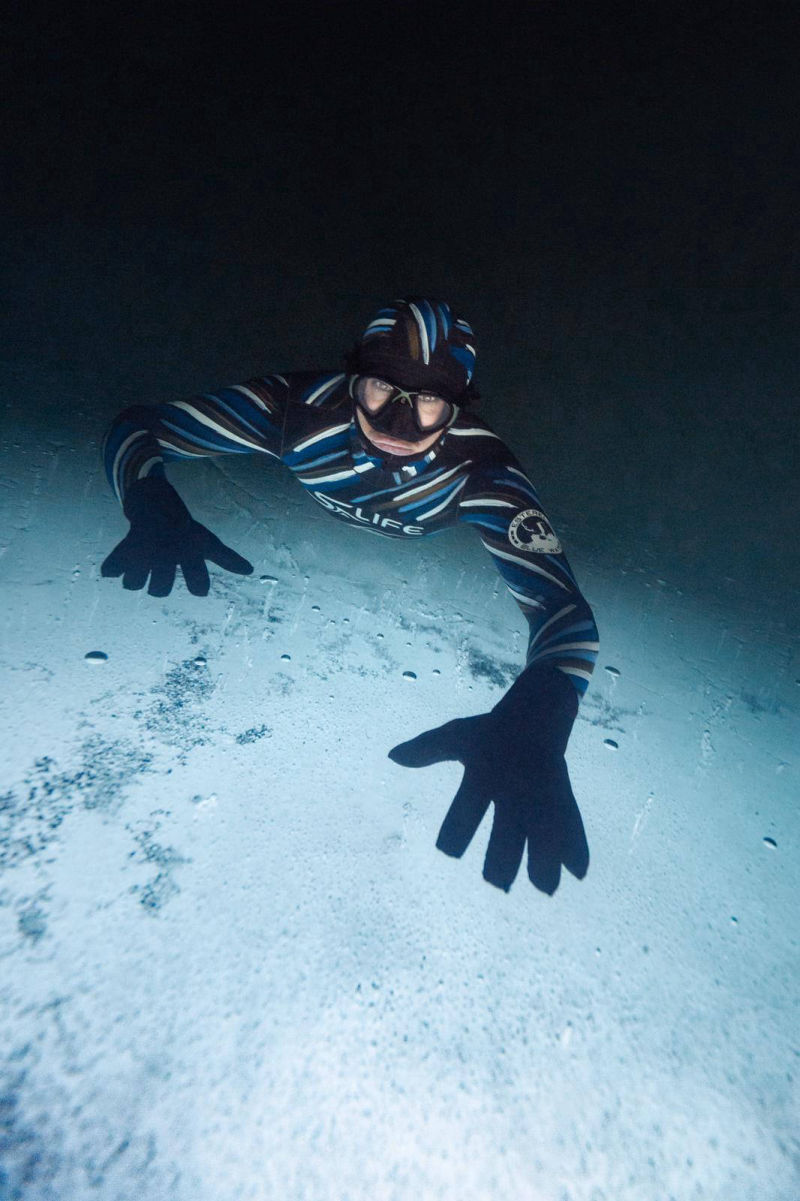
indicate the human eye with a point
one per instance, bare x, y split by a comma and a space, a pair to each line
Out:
380, 385
428, 398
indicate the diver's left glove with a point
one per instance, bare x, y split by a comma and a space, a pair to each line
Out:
513, 756
164, 536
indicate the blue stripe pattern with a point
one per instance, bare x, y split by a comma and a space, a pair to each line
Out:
307, 420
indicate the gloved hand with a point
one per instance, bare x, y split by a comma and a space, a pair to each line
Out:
513, 756
164, 536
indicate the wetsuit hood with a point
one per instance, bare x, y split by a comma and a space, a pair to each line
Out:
418, 344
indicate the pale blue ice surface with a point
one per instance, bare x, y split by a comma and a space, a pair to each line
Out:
235, 965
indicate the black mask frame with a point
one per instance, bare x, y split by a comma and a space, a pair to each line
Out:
399, 395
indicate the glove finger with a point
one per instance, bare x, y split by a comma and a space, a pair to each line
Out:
464, 816
548, 829
506, 847
135, 576
225, 556
162, 577
544, 865
446, 742
575, 853
117, 561
575, 848
195, 573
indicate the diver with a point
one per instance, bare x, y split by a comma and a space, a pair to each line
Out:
392, 445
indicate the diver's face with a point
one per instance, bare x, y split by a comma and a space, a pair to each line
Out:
401, 419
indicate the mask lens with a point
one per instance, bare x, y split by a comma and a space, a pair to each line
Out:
373, 394
432, 411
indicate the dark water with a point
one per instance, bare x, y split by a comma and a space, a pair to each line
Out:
607, 192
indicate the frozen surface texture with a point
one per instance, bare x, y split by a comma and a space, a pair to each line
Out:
236, 966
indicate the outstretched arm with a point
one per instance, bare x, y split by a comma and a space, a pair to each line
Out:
514, 755
502, 503
244, 419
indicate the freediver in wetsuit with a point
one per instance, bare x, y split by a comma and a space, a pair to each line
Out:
390, 446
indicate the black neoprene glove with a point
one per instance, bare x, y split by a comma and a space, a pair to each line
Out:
513, 756
164, 536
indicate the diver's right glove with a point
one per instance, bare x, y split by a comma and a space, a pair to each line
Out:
514, 757
164, 536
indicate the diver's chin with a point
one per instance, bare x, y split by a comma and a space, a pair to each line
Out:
392, 446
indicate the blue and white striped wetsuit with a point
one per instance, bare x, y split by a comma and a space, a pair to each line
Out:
307, 421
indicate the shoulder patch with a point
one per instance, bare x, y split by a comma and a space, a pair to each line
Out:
531, 531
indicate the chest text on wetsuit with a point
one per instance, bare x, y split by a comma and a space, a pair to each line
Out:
355, 513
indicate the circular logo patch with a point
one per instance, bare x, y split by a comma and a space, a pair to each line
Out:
531, 531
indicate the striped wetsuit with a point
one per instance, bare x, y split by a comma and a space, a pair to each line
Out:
307, 421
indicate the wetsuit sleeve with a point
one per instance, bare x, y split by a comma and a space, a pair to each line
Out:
502, 503
243, 419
